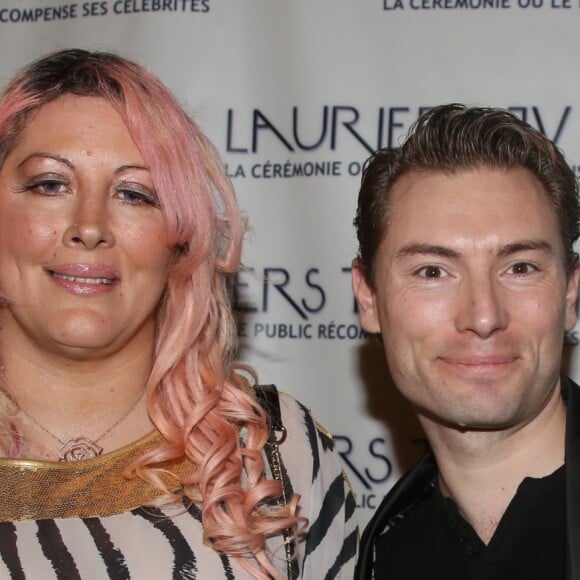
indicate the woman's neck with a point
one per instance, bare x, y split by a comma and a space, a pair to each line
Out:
56, 400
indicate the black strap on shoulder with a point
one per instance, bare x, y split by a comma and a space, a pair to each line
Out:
267, 396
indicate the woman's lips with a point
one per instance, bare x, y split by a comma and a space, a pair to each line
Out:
84, 279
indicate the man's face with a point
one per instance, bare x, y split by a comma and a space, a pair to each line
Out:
471, 296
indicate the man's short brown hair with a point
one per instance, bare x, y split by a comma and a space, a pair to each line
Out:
452, 138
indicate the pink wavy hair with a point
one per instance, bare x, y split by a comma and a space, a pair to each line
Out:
195, 397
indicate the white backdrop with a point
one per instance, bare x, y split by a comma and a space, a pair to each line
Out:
295, 94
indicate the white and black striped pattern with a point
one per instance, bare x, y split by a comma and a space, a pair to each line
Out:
145, 544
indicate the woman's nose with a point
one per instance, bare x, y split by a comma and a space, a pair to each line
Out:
89, 224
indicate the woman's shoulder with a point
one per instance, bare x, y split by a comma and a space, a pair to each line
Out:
316, 474
299, 419
296, 420
306, 446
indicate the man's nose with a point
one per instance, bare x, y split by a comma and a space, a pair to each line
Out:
481, 307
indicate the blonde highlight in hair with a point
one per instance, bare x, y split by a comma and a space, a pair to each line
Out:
196, 396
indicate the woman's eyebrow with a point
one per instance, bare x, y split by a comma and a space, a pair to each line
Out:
131, 166
43, 155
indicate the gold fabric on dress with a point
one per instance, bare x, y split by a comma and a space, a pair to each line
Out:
32, 490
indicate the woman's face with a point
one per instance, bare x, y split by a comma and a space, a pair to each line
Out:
83, 254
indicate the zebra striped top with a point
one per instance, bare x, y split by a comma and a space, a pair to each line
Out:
87, 527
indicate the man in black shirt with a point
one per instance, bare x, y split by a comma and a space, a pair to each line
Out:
466, 268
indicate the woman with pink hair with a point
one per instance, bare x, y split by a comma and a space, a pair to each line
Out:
133, 444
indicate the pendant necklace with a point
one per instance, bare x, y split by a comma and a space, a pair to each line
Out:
78, 448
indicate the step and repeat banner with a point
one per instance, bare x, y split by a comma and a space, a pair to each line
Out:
296, 94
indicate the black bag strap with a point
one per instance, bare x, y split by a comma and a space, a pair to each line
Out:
267, 396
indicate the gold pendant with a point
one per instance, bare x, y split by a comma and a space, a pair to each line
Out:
78, 449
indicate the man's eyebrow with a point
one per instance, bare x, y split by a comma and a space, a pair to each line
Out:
445, 252
523, 246
426, 249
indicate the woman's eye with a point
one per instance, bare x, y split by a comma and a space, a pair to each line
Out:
137, 197
48, 187
431, 272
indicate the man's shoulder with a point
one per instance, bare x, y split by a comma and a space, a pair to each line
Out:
397, 504
568, 388
404, 494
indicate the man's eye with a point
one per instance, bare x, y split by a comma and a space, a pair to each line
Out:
522, 268
431, 272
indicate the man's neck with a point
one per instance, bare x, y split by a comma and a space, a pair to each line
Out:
481, 470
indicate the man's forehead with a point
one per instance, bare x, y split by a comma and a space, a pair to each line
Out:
488, 207
424, 175
460, 183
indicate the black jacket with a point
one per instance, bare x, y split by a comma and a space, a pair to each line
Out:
414, 484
